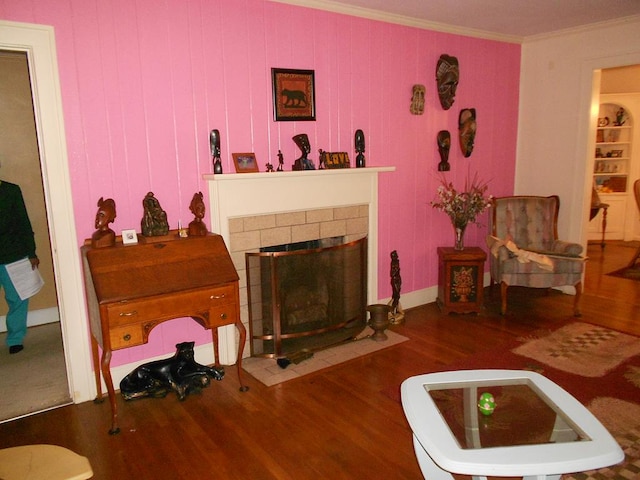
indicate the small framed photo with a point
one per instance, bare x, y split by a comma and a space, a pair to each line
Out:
616, 153
245, 162
129, 237
293, 95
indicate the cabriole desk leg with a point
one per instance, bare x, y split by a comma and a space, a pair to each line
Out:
243, 337
106, 374
96, 370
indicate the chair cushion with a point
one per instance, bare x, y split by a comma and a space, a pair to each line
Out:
566, 271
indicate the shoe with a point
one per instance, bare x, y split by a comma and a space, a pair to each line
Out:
15, 349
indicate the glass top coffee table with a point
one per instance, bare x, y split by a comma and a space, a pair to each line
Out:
536, 431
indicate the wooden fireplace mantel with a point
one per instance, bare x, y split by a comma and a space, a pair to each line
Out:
237, 195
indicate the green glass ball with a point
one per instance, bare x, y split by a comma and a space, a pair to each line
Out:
486, 404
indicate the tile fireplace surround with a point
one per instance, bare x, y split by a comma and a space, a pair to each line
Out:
253, 210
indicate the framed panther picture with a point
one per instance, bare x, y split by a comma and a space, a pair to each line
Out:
293, 95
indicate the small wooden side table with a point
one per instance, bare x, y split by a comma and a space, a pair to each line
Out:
460, 279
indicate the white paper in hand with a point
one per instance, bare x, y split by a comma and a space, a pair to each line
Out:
26, 279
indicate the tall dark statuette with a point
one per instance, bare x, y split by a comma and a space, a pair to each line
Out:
360, 148
214, 141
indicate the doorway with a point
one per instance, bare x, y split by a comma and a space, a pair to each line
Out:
42, 362
38, 43
617, 154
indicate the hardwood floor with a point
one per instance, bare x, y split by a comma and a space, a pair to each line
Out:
344, 422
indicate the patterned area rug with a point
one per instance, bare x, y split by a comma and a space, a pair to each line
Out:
622, 419
632, 273
571, 356
582, 349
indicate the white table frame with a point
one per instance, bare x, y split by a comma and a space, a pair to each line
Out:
439, 454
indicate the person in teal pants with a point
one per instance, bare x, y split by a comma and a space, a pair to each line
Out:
16, 243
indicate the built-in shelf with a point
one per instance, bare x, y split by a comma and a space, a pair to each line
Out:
613, 150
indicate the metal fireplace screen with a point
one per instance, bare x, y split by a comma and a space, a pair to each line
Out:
306, 299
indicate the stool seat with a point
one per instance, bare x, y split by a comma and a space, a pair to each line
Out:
43, 462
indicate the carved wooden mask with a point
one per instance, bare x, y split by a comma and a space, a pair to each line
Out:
467, 128
417, 100
447, 77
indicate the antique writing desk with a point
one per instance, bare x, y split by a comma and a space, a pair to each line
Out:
133, 288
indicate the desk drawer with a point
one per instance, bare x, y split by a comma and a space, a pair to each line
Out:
222, 315
178, 305
123, 337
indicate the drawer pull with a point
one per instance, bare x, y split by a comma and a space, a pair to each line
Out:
223, 316
128, 314
127, 337
217, 297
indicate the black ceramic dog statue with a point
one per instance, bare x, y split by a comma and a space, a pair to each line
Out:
180, 373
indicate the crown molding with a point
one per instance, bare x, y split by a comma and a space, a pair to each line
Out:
371, 14
583, 28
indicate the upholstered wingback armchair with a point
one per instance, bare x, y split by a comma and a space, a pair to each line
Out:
525, 250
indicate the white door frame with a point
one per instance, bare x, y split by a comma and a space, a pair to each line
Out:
38, 42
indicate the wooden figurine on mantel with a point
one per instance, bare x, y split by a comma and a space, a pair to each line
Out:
360, 149
303, 163
154, 221
104, 236
197, 226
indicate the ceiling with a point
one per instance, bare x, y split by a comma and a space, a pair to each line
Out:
513, 20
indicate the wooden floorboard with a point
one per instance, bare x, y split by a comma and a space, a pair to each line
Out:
344, 422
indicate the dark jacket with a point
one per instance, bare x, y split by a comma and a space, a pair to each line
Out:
16, 234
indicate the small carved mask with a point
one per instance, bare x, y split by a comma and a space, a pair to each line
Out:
447, 77
444, 144
467, 127
417, 100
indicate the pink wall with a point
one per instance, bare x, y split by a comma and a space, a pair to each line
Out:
143, 83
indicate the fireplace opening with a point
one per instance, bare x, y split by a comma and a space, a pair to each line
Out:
303, 298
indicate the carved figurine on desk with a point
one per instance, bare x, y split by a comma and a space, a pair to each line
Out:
197, 226
303, 163
154, 222
104, 236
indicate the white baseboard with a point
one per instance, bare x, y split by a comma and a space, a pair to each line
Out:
35, 318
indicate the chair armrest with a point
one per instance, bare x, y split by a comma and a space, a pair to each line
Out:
497, 248
569, 249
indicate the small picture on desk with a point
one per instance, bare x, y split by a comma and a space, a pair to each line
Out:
129, 237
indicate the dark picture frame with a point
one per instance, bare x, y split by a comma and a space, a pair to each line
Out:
294, 95
245, 162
